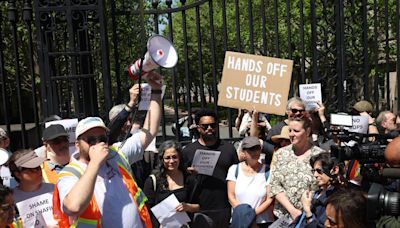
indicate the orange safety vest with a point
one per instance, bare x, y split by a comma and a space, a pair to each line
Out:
91, 217
49, 176
17, 223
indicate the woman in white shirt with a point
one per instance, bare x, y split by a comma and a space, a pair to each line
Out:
245, 181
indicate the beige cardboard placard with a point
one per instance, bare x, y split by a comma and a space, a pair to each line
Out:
255, 82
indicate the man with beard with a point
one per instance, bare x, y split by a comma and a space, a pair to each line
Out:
213, 197
56, 147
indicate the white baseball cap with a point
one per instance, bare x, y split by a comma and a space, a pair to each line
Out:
88, 123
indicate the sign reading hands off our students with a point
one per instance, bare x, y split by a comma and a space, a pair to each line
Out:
255, 82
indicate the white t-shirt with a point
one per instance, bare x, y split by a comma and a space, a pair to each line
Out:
251, 190
8, 180
116, 205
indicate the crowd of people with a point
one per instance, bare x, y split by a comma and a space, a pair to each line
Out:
281, 175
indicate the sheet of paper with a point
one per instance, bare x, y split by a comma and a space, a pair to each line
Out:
310, 94
167, 215
282, 222
360, 124
34, 211
204, 161
146, 96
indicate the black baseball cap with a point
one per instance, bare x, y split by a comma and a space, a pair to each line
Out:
53, 131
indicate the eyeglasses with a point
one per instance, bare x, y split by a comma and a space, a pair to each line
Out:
30, 170
58, 140
173, 157
294, 110
93, 140
319, 171
206, 126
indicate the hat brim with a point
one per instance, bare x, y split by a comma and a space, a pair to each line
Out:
278, 138
33, 163
56, 136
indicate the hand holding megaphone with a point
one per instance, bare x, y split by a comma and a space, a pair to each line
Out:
160, 52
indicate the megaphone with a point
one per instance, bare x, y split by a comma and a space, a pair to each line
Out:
160, 53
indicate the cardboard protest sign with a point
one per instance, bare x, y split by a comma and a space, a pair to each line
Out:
310, 94
255, 82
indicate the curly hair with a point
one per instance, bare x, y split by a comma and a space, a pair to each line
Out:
4, 192
160, 171
327, 164
204, 112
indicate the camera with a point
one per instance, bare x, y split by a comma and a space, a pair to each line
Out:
382, 202
364, 153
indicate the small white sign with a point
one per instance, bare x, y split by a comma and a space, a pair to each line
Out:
341, 120
69, 125
310, 94
146, 96
282, 222
33, 209
360, 124
166, 213
204, 161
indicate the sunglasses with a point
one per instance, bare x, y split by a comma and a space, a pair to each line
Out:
319, 171
294, 110
58, 140
93, 140
30, 170
173, 157
206, 126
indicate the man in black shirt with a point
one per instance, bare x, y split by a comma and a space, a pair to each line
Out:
212, 190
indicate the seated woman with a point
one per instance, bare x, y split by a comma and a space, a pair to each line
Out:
329, 176
290, 168
7, 208
247, 183
171, 178
25, 167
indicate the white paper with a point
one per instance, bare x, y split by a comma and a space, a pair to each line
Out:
152, 146
204, 161
69, 125
341, 120
310, 94
31, 208
167, 215
360, 124
145, 96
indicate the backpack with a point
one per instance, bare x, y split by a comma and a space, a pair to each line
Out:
267, 171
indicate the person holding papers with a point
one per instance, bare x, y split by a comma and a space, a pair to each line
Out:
213, 197
171, 178
246, 181
32, 195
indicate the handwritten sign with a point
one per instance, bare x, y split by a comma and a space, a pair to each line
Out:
33, 208
255, 82
360, 124
204, 161
310, 94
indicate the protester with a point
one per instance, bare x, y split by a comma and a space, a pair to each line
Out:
329, 176
97, 186
347, 209
290, 169
56, 146
25, 167
247, 183
386, 123
213, 198
7, 209
295, 107
282, 139
171, 177
364, 108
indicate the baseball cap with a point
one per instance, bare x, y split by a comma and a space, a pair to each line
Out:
3, 133
283, 135
250, 142
88, 123
53, 131
29, 160
363, 106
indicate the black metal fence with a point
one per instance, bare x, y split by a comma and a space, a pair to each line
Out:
69, 57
